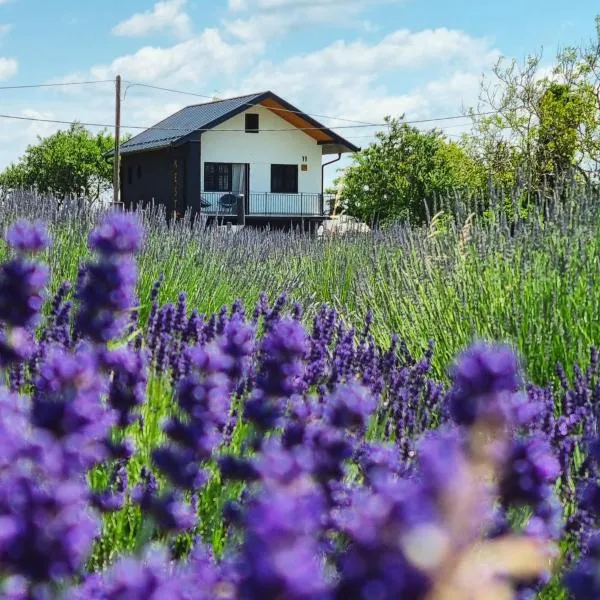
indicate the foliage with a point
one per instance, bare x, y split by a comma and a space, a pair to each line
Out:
534, 130
69, 163
404, 174
545, 125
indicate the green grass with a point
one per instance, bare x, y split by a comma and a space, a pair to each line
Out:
538, 290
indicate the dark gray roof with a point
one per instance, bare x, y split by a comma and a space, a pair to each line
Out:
199, 117
184, 122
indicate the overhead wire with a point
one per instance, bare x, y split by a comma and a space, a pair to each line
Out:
231, 130
286, 110
356, 124
56, 84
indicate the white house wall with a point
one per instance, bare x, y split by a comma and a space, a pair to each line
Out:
263, 149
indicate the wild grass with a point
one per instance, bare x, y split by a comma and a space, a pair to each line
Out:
535, 285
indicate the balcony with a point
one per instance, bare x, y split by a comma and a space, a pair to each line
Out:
266, 204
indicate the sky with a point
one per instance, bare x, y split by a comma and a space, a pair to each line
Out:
351, 59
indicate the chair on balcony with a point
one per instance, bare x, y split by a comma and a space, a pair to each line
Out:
228, 202
204, 203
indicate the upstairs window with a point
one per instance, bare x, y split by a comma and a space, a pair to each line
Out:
139, 171
284, 179
251, 123
129, 175
217, 177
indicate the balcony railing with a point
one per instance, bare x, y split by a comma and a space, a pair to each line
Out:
267, 204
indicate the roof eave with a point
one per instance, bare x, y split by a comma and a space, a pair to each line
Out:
336, 137
338, 147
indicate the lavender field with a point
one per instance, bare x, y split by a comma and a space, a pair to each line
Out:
411, 413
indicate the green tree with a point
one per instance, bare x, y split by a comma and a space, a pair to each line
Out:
404, 173
536, 125
70, 162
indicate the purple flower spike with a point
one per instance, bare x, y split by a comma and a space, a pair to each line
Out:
119, 233
530, 469
21, 286
350, 407
24, 236
107, 293
483, 377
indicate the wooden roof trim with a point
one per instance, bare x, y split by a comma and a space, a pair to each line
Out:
296, 120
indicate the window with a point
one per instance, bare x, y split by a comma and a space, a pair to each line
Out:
139, 171
217, 177
251, 123
129, 175
284, 179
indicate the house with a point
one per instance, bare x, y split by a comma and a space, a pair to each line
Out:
254, 159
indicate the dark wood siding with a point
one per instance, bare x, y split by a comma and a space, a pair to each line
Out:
170, 177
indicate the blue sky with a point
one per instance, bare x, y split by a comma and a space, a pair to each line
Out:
359, 59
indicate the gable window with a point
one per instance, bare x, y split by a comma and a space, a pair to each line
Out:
251, 123
139, 171
129, 175
217, 177
284, 179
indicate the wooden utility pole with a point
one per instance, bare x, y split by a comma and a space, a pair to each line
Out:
117, 161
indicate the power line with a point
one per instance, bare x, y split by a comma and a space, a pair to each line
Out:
202, 130
175, 129
163, 89
287, 110
49, 85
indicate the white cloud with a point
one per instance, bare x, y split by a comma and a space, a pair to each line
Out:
167, 15
364, 81
5, 28
193, 61
8, 67
265, 5
271, 18
401, 49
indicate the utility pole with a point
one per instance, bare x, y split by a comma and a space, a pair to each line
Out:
117, 161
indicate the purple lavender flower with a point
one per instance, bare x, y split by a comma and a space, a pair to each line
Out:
280, 376
169, 511
349, 407
181, 314
280, 557
24, 237
261, 308
67, 403
273, 316
180, 466
21, 285
482, 378
128, 383
107, 290
47, 528
530, 469
236, 344
118, 233
107, 293
583, 580
237, 469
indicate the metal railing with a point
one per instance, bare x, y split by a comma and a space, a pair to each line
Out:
218, 203
267, 204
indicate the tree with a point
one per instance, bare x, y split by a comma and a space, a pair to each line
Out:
404, 173
69, 163
535, 125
